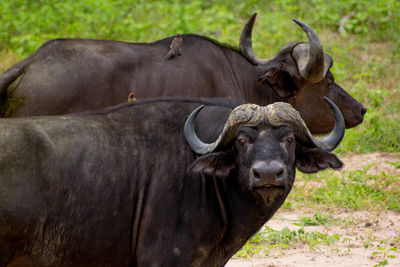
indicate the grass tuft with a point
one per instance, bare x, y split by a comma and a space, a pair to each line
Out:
269, 240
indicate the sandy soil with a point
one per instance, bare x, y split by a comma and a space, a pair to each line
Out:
376, 162
361, 234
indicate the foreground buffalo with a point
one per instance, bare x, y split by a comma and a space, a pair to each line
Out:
122, 187
73, 75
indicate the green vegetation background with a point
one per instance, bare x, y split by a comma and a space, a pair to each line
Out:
363, 38
365, 46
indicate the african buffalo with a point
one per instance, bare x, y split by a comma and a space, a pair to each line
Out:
134, 186
74, 75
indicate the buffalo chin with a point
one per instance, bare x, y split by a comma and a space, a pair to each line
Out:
270, 193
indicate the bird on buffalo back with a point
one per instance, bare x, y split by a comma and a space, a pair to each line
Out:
175, 47
131, 97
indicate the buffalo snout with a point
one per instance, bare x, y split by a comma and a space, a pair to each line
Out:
355, 116
363, 111
268, 174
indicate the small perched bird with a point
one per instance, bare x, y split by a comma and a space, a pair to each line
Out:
131, 97
175, 47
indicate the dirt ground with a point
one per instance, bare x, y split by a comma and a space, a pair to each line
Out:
366, 241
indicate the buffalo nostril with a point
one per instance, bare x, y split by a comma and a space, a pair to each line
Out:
363, 111
256, 174
280, 173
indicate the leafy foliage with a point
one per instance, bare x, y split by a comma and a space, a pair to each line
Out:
28, 23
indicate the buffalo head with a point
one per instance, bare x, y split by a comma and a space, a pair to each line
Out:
300, 75
263, 146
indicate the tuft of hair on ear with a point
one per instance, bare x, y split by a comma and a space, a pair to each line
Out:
218, 164
279, 80
309, 160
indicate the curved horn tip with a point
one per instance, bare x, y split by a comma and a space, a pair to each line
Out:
337, 134
250, 23
307, 29
193, 141
190, 120
313, 69
297, 21
301, 24
337, 112
245, 43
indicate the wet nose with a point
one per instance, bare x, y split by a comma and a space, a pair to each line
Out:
363, 111
268, 173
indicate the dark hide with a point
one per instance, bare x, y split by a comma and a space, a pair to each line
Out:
120, 187
74, 75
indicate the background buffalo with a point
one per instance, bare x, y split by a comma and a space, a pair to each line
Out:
72, 75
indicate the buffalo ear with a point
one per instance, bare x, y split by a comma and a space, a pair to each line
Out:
280, 81
310, 160
215, 164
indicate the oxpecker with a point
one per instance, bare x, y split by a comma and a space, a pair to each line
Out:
175, 47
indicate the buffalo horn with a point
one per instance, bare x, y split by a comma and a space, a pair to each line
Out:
311, 61
330, 142
282, 113
194, 142
277, 114
245, 43
248, 114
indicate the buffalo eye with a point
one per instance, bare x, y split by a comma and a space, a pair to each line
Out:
288, 140
242, 141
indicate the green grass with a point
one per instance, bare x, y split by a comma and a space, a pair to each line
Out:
354, 190
27, 23
385, 254
271, 242
316, 219
268, 240
371, 73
